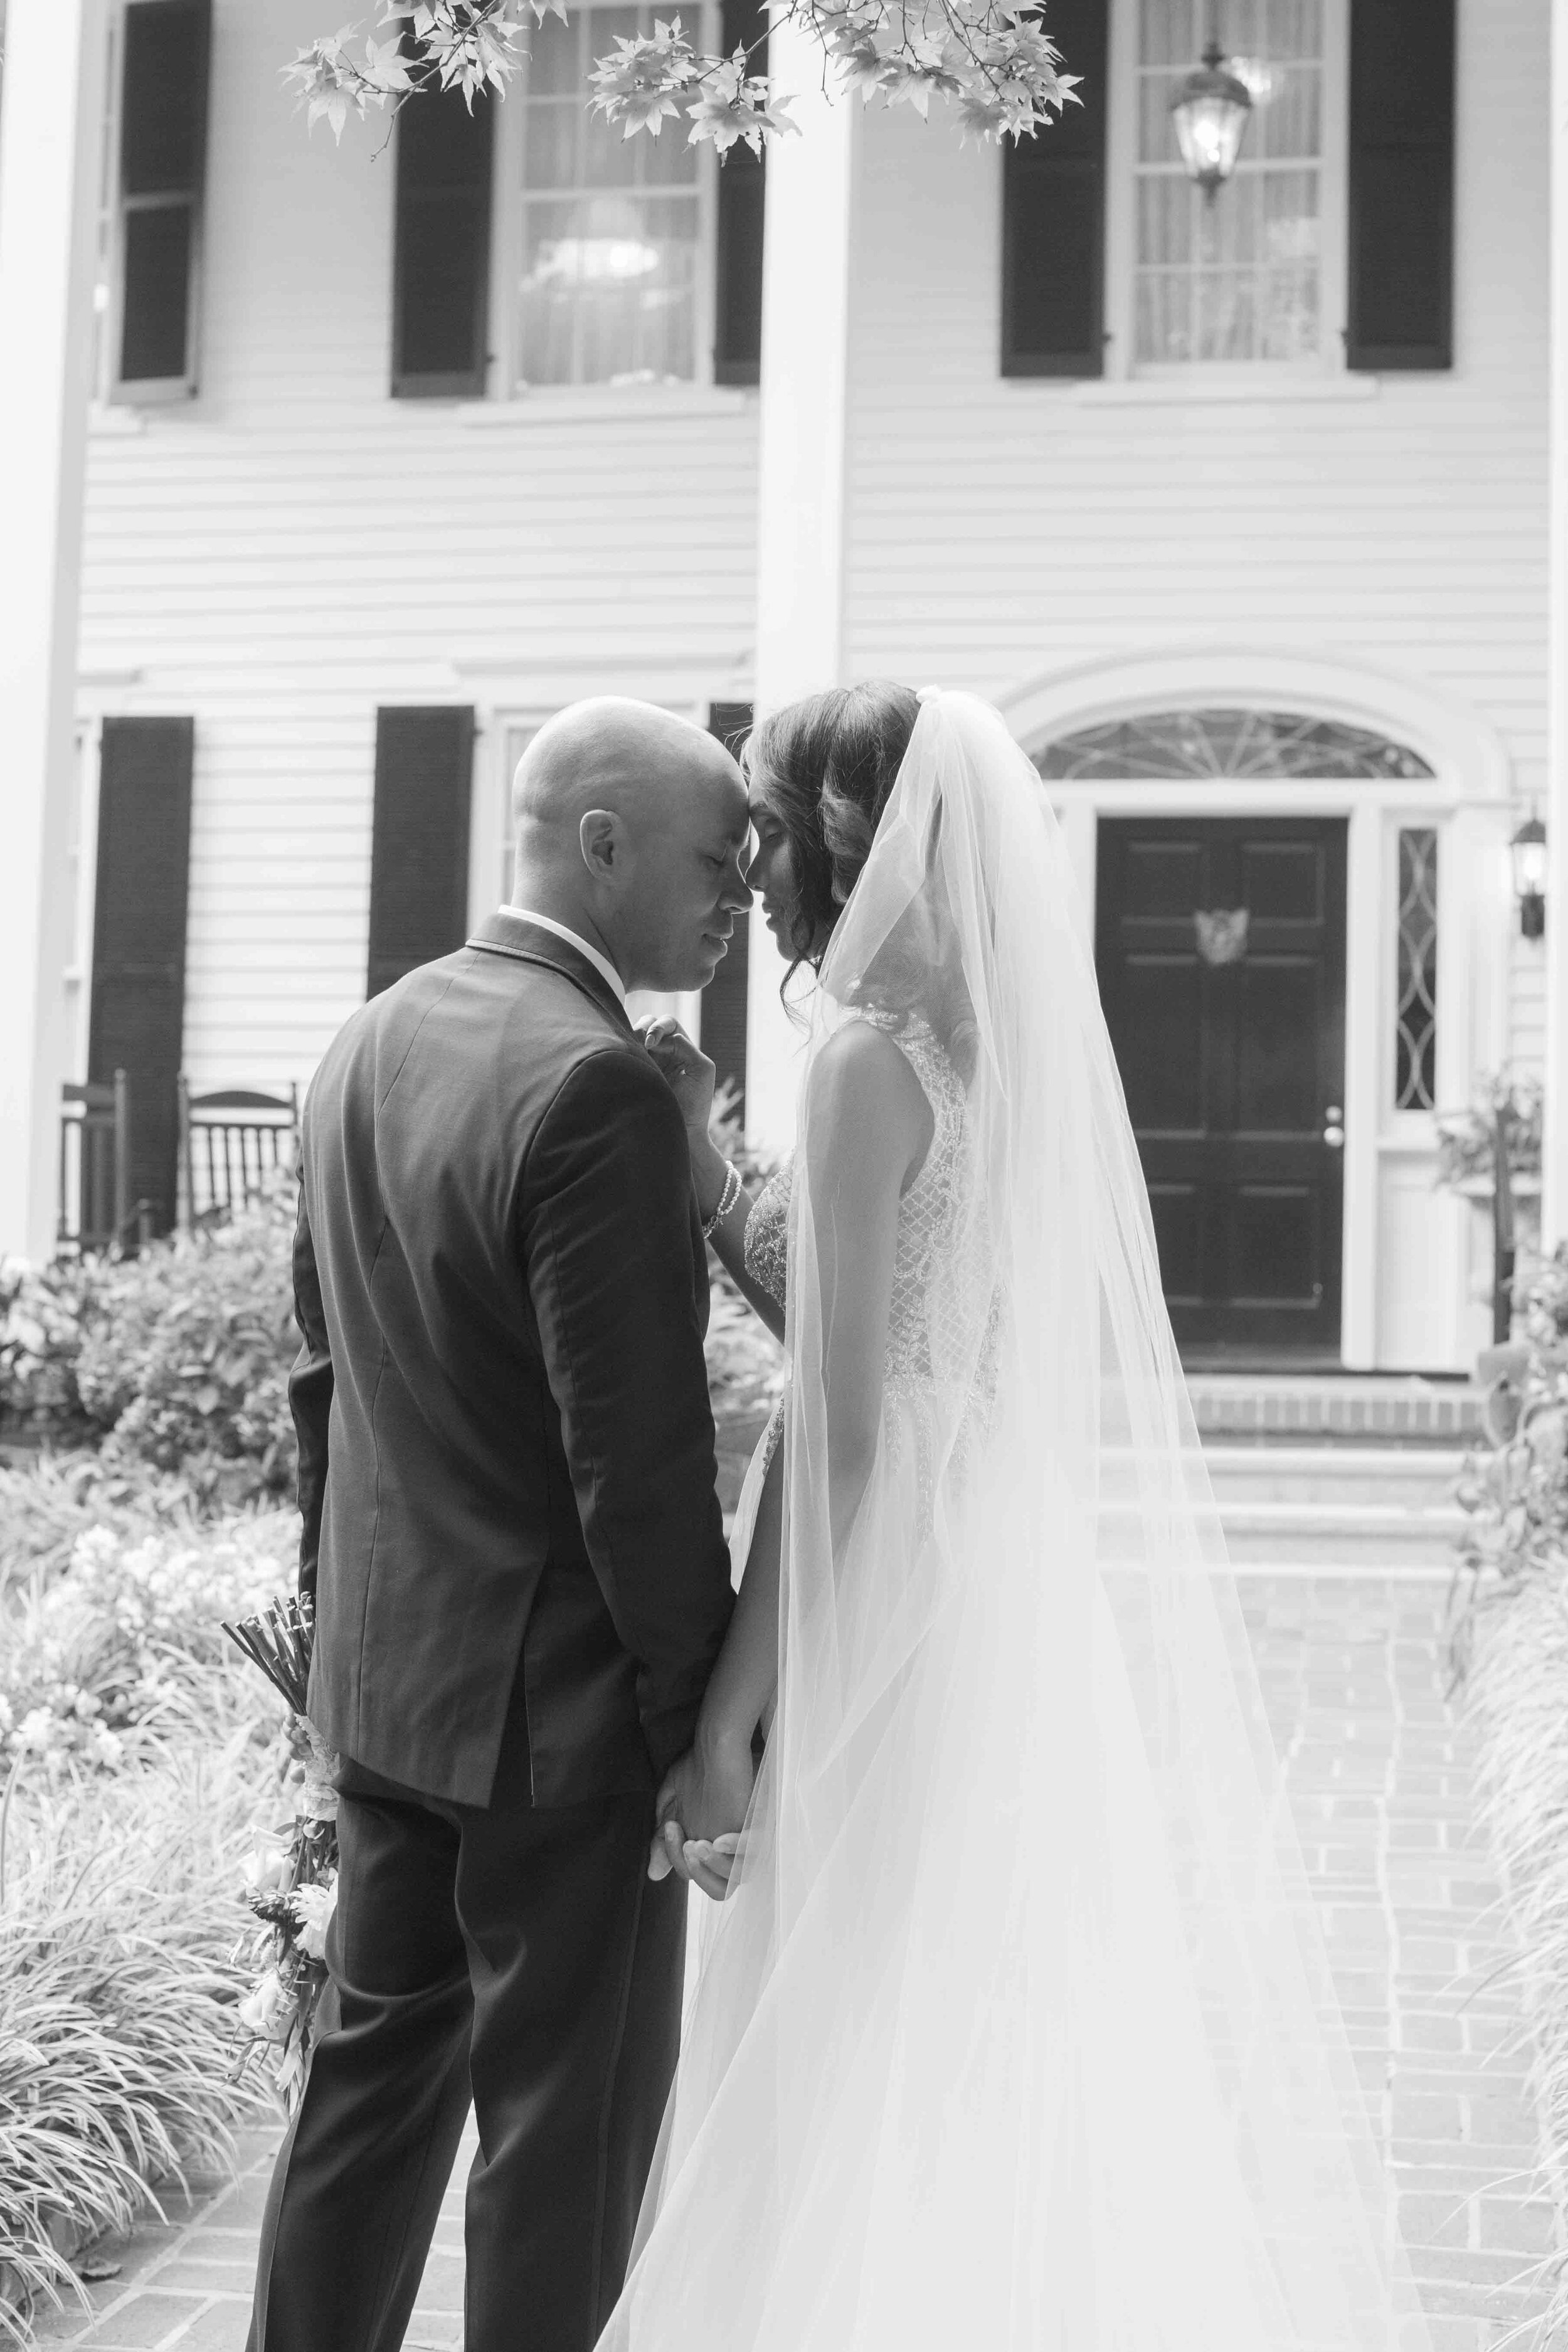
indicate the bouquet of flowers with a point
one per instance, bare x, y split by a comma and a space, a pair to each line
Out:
292, 1874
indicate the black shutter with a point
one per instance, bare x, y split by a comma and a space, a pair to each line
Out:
440, 302
419, 841
1053, 217
162, 148
724, 998
1401, 259
742, 182
138, 1011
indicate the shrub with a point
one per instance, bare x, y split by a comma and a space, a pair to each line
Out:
46, 1503
185, 1356
1516, 1497
178, 1358
41, 1319
129, 1638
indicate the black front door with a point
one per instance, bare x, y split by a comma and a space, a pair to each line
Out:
1221, 949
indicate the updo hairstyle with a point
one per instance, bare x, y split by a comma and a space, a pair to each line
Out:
827, 766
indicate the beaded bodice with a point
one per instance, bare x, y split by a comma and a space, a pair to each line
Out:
928, 1213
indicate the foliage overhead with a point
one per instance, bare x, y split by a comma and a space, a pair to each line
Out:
991, 58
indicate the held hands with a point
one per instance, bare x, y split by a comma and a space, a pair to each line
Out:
700, 1809
685, 1069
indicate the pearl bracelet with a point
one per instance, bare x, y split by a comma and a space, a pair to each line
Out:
727, 1199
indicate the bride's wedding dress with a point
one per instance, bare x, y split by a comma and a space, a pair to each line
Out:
1016, 2031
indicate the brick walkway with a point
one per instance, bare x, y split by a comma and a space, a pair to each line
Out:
1382, 1779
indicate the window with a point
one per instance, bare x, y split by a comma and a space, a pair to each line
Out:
614, 231
1236, 277
162, 140
1333, 240
1227, 743
1415, 986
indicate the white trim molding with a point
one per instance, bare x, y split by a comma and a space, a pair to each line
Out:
1456, 742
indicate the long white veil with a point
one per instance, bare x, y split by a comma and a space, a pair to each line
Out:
1017, 2031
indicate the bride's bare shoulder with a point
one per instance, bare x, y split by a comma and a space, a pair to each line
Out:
862, 1090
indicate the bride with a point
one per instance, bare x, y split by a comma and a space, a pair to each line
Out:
1014, 2028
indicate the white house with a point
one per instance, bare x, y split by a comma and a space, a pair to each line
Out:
1238, 505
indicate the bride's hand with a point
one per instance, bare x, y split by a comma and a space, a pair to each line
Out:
700, 1809
685, 1069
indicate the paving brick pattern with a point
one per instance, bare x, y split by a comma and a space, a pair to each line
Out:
1380, 1775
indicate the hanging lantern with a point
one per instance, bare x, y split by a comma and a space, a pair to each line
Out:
1210, 112
1529, 848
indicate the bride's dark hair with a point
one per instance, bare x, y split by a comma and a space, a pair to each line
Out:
827, 766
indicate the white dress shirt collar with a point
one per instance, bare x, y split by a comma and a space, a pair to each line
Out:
600, 962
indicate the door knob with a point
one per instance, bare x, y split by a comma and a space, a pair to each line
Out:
1333, 1129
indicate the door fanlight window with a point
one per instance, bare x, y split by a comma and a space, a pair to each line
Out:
1226, 742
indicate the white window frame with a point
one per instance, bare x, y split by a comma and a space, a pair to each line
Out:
501, 386
1121, 221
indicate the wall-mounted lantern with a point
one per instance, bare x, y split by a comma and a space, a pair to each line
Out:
1211, 112
1529, 848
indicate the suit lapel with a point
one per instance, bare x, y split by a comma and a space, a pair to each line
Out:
525, 942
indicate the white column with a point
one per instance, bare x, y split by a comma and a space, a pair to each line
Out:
800, 521
51, 119
1554, 1179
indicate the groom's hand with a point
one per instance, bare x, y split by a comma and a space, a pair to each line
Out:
703, 1800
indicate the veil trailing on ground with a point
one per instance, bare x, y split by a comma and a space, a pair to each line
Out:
1016, 2031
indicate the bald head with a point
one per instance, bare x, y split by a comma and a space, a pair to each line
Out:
614, 753
631, 828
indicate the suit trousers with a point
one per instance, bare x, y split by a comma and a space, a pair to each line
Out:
517, 1955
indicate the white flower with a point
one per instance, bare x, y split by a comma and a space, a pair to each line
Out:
107, 1748
266, 1867
313, 1909
37, 1730
265, 2012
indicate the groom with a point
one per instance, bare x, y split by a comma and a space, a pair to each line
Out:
511, 1530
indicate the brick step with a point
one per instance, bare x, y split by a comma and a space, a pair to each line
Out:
1370, 1536
1366, 1406
1404, 1478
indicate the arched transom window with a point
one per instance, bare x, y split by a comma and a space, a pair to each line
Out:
1236, 744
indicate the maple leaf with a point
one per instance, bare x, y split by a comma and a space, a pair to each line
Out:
332, 85
638, 87
731, 106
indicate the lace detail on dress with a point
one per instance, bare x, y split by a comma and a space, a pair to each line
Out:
933, 1306
767, 1235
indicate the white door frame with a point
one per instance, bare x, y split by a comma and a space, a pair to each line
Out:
1466, 798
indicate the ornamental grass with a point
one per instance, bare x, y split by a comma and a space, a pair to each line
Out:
119, 1993
1509, 1645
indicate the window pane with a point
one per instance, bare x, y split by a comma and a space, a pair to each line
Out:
1169, 31
551, 150
1250, 255
1164, 218
608, 290
155, 341
555, 59
610, 225
1415, 1013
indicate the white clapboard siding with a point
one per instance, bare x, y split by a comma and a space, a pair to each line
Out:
293, 548
1000, 532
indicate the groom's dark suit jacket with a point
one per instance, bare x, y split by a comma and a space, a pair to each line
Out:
506, 1450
